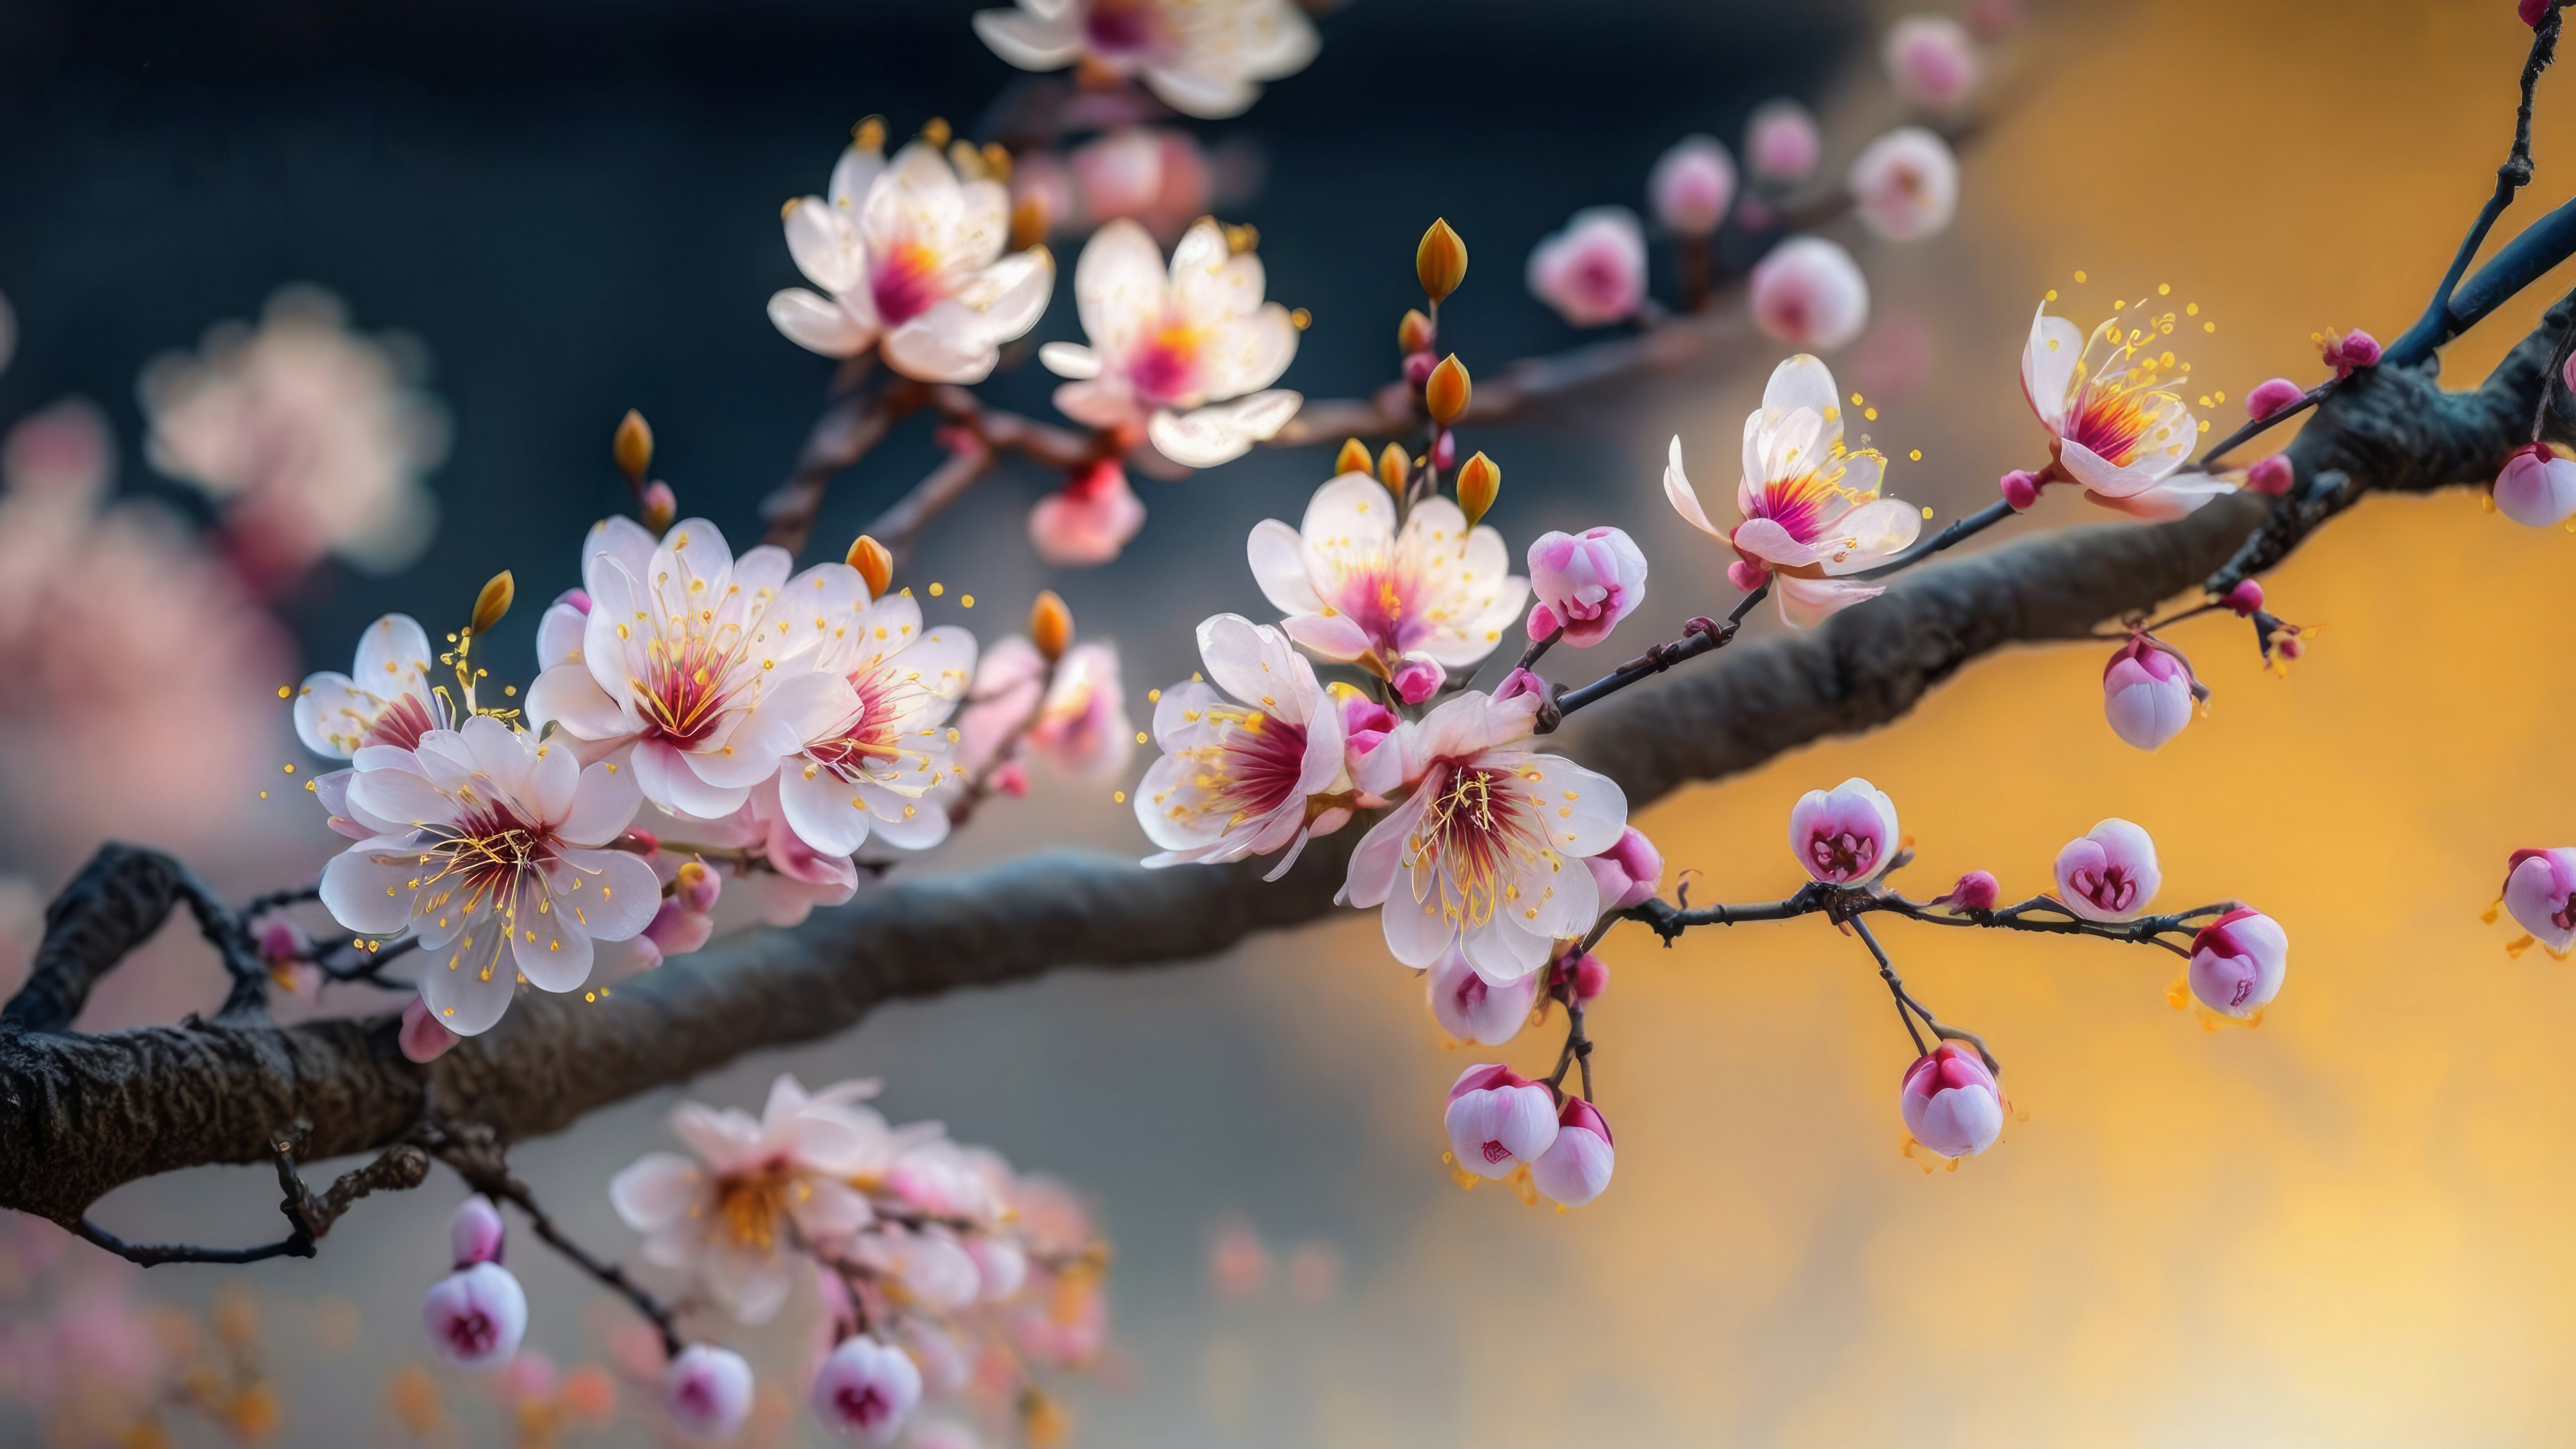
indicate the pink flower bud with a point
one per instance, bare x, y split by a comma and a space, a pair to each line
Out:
1691, 186
475, 1234
1906, 184
707, 1392
1930, 61
1747, 575
2534, 11
1586, 583
1418, 367
2237, 962
1470, 1008
2540, 890
2021, 489
2351, 350
865, 1389
657, 501
1013, 780
475, 1316
1593, 273
1520, 682
2146, 693
1576, 1166
2273, 475
675, 930
1089, 519
1498, 1119
1844, 834
697, 886
1810, 293
2537, 487
1628, 872
423, 1038
2109, 873
1951, 1103
1978, 890
2270, 396
1417, 677
1781, 142
642, 841
1583, 979
1365, 725
1444, 449
2245, 598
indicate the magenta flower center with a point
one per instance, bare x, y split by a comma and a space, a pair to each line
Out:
2112, 888
401, 723
472, 1333
1119, 27
906, 284
861, 1404
1841, 854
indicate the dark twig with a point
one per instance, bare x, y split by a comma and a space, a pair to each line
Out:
115, 904
1699, 636
2511, 177
402, 1166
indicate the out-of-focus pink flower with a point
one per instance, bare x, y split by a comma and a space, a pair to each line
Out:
1781, 143
1843, 835
2540, 890
1498, 1120
1156, 176
2537, 488
865, 1390
475, 1316
1951, 1102
1692, 186
1238, 1262
2238, 961
2246, 599
2147, 693
475, 1234
1993, 19
1314, 1272
1204, 58
2272, 476
707, 1392
1082, 728
2109, 873
422, 1038
318, 439
1586, 583
1593, 272
1012, 780
2534, 11
2272, 395
1810, 293
1906, 184
1089, 519
1471, 1008
1628, 872
1930, 61
1355, 588
1576, 1166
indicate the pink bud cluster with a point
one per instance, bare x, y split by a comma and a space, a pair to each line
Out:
476, 1315
1500, 1121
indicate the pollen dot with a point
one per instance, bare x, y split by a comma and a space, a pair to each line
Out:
2191, 309
2079, 276
2208, 326
290, 769
284, 691
510, 691
1140, 737
937, 589
263, 794
1119, 796
1915, 456
2164, 289
1869, 413
2052, 294
966, 601
1153, 696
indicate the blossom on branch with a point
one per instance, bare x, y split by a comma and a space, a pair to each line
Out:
1471, 1008
2148, 692
1951, 1103
1090, 519
2540, 890
873, 754
865, 1390
475, 1316
707, 1392
2237, 962
1781, 143
2537, 488
1498, 1120
1930, 61
2115, 416
1575, 1168
1812, 511
1357, 589
1845, 835
1251, 763
1593, 272
1586, 583
1187, 354
911, 256
1692, 186
2109, 873
1205, 58
384, 699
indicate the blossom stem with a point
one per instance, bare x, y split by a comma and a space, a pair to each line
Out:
1699, 637
1895, 983
488, 1173
1959, 531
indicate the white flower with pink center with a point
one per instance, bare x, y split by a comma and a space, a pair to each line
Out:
733, 1216
865, 1390
2109, 873
707, 666
2113, 407
384, 699
911, 256
1488, 849
1205, 58
487, 851
1498, 1120
1845, 835
1188, 354
1812, 510
2238, 962
1358, 589
870, 759
1593, 273
1251, 762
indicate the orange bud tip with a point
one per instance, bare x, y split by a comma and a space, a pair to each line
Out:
874, 562
1413, 334
935, 133
1480, 481
1050, 625
1354, 458
1393, 468
1448, 391
1440, 261
632, 447
494, 601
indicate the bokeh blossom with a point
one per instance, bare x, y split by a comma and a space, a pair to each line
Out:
865, 1390
1593, 272
1781, 143
1356, 588
1905, 184
1090, 519
1692, 186
2540, 891
1204, 58
1810, 293
1930, 61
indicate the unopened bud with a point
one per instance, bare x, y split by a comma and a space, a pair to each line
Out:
2245, 598
494, 602
1029, 221
1444, 450
633, 447
1448, 390
1414, 333
659, 505
1354, 458
1393, 468
874, 563
2020, 489
1441, 261
1478, 484
2273, 475
1050, 625
2271, 397
1418, 365
1241, 237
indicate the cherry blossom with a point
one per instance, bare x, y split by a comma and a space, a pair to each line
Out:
1252, 763
2109, 873
475, 1316
1471, 1008
707, 1392
1905, 184
2237, 962
865, 1390
1593, 272
1082, 727
2540, 890
755, 1188
1627, 872
1845, 835
1575, 1168
911, 256
869, 760
1951, 1102
1781, 143
1204, 58
1157, 176
2115, 416
1478, 852
1187, 353
475, 1232
1357, 588
1692, 186
487, 850
2147, 693
1930, 61
1586, 583
1498, 1120
1810, 293
2537, 488
384, 699
1089, 520
703, 670
1812, 510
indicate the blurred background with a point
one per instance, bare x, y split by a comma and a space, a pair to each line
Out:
504, 225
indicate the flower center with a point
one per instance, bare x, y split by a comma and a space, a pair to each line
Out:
1497, 1152
1119, 27
689, 683
906, 283
1166, 365
1249, 769
1476, 826
401, 723
748, 1208
2112, 889
472, 1333
1842, 853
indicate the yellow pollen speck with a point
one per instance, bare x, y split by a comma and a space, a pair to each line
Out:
1118, 795
2052, 294
1153, 696
2079, 276
284, 691
2208, 326
937, 589
1870, 413
290, 769
1916, 455
966, 601
1855, 399
1140, 737
263, 794
2191, 309
1927, 511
